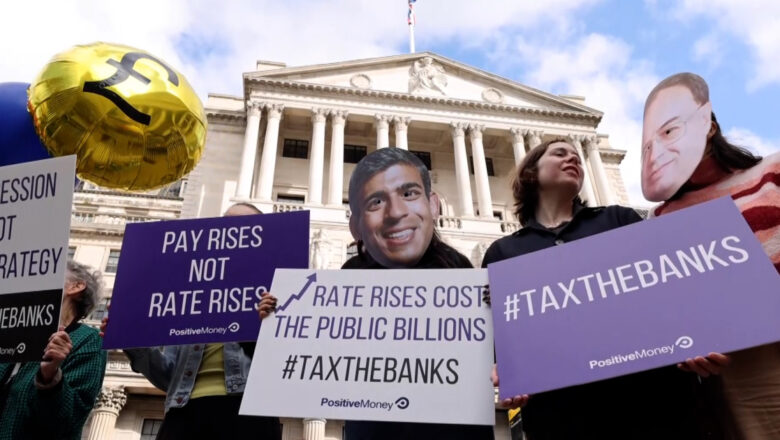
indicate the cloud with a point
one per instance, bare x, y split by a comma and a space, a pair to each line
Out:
708, 50
754, 22
213, 42
606, 71
755, 143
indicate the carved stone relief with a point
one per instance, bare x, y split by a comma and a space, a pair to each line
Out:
426, 75
360, 81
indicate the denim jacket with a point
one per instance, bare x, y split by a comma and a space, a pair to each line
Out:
174, 369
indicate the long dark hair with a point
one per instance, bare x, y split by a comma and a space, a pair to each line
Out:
525, 184
728, 156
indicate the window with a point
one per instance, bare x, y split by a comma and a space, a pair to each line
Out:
82, 185
150, 429
424, 156
498, 215
101, 309
174, 190
71, 252
290, 198
113, 261
296, 148
488, 162
353, 153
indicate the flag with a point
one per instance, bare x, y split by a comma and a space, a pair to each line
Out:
411, 19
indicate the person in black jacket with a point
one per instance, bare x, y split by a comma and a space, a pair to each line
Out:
393, 220
657, 404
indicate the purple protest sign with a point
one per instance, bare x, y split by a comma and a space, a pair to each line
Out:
195, 281
632, 299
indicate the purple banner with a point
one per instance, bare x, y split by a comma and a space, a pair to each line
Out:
632, 299
195, 281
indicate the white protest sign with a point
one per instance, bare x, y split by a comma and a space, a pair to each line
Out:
392, 345
35, 209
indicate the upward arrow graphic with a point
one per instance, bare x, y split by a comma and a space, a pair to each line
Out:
310, 279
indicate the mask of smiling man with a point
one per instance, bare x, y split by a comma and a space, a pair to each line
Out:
677, 125
393, 208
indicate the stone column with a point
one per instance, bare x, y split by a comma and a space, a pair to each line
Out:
107, 406
597, 166
338, 119
401, 125
462, 170
317, 155
249, 154
534, 138
268, 160
314, 429
587, 187
480, 171
382, 131
518, 143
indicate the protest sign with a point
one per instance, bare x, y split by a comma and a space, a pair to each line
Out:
194, 281
646, 295
35, 207
395, 345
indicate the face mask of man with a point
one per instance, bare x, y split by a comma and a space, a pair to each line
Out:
674, 139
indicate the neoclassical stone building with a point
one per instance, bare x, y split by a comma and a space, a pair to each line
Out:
291, 142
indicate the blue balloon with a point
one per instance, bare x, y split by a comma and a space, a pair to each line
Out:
18, 140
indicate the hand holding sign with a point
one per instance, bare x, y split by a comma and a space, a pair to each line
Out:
518, 401
658, 283
56, 351
266, 305
713, 364
363, 345
207, 278
35, 209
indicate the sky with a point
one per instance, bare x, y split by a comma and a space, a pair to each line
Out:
611, 51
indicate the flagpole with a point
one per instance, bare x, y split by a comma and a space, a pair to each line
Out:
411, 38
411, 20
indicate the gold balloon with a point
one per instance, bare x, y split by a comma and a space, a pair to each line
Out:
132, 121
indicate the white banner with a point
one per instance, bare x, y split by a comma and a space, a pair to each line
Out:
392, 345
35, 207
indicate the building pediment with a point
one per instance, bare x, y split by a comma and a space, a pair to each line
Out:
422, 75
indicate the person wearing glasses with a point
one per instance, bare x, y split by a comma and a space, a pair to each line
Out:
686, 160
676, 124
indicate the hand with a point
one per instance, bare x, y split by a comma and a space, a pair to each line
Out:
104, 323
514, 402
266, 305
712, 364
486, 294
56, 351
